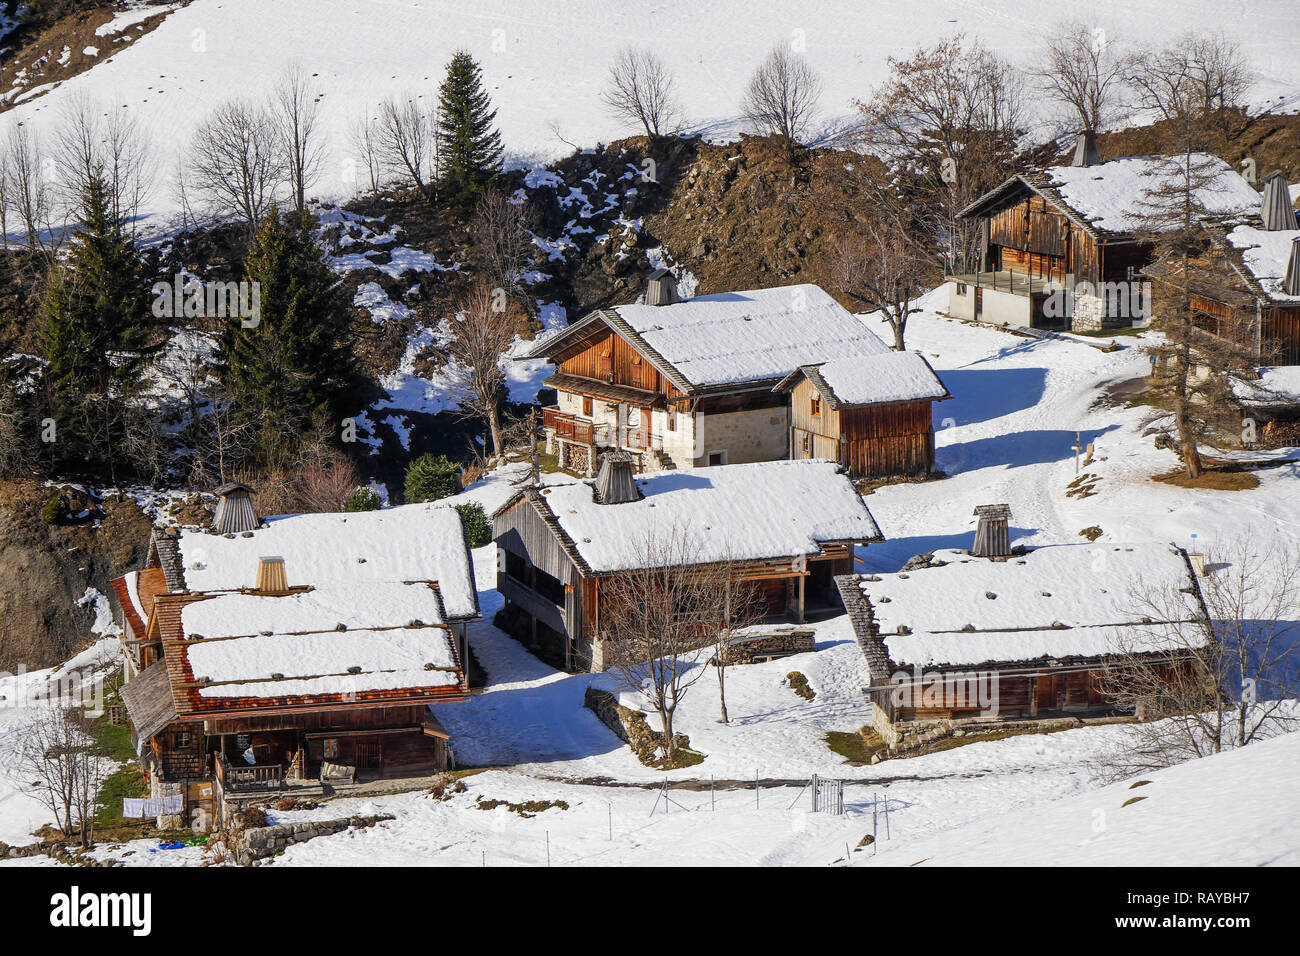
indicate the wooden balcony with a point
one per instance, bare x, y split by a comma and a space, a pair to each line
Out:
235, 779
572, 428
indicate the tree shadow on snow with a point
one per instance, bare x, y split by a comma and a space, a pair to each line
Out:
1039, 446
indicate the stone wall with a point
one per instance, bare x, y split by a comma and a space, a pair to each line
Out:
906, 735
258, 843
760, 434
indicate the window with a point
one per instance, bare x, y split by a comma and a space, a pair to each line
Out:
243, 741
330, 748
672, 420
184, 739
816, 406
961, 288
586, 405
717, 458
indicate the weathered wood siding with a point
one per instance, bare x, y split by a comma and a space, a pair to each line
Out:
871, 441
609, 358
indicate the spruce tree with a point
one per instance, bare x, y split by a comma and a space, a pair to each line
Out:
469, 146
97, 336
292, 369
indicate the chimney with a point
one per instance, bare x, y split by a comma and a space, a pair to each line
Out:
234, 513
992, 536
615, 482
1291, 284
270, 576
1085, 150
661, 289
1275, 205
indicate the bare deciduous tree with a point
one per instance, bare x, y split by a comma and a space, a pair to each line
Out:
502, 239
1202, 76
58, 763
659, 622
947, 119
363, 137
882, 271
782, 95
239, 163
405, 141
30, 190
483, 324
1082, 74
1227, 674
297, 111
641, 89
107, 146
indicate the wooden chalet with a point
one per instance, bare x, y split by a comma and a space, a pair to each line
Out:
871, 413
791, 526
251, 673
688, 383
960, 643
1061, 247
1259, 301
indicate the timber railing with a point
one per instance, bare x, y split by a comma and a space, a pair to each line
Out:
570, 427
261, 777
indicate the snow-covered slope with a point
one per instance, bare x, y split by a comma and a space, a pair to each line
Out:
1236, 808
545, 60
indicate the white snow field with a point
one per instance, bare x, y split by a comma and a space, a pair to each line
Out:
1005, 437
545, 60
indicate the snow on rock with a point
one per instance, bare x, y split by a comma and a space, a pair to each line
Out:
103, 623
773, 509
411, 543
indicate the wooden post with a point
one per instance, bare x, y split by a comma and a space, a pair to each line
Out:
799, 616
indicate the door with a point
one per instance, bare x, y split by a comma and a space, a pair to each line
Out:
638, 427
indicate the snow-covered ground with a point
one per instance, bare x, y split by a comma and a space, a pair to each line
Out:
1005, 436
545, 61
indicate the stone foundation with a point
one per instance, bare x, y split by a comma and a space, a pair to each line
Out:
259, 843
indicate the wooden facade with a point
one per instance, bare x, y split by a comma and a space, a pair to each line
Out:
878, 440
553, 599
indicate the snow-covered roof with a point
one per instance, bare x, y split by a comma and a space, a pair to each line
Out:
731, 338
423, 542
1054, 601
735, 337
368, 605
1265, 255
328, 662
773, 509
1114, 196
870, 379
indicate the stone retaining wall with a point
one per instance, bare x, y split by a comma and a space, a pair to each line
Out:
258, 843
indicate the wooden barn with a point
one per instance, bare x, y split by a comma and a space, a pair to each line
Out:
790, 526
871, 413
1061, 246
959, 643
1260, 300
688, 383
300, 653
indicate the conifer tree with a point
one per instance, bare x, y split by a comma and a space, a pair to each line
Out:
97, 335
291, 367
469, 145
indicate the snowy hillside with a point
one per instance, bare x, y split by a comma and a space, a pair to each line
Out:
1234, 809
545, 60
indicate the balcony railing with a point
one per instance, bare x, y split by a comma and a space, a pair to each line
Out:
572, 428
260, 777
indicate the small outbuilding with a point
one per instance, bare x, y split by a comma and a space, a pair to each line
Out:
870, 413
